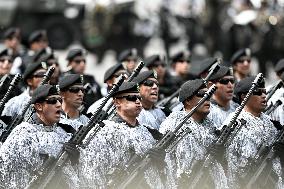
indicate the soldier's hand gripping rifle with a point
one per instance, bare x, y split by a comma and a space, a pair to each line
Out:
19, 118
167, 101
136, 71
48, 171
136, 167
227, 133
12, 86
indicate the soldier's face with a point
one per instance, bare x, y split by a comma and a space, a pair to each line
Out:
49, 110
257, 102
74, 95
149, 90
182, 67
36, 78
78, 64
128, 104
5, 65
204, 109
242, 66
225, 88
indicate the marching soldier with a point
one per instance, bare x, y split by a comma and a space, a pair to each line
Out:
241, 63
110, 77
31, 143
182, 162
72, 92
150, 115
6, 63
32, 78
113, 146
166, 81
77, 64
221, 102
128, 58
257, 132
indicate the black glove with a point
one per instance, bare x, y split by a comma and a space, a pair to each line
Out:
218, 151
157, 156
73, 152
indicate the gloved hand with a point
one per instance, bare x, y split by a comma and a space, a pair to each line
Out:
73, 152
218, 151
157, 156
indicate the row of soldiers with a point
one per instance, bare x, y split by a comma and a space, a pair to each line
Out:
128, 141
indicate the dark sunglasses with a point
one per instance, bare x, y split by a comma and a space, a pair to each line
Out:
39, 75
53, 100
200, 93
226, 81
150, 83
4, 59
76, 89
119, 74
132, 98
78, 61
259, 92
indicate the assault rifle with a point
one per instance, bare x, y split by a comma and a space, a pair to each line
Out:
227, 134
12, 86
19, 118
136, 167
48, 171
272, 107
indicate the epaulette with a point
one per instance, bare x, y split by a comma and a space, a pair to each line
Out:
67, 128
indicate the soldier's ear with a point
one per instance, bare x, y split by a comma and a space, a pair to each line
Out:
38, 107
116, 102
209, 84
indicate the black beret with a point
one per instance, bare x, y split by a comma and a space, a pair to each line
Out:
112, 70
180, 56
205, 65
37, 35
223, 71
242, 52
279, 66
70, 79
44, 91
32, 67
39, 54
189, 88
245, 84
128, 53
6, 52
74, 53
153, 61
12, 32
127, 87
145, 75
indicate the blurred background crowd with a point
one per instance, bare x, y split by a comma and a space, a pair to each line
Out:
204, 28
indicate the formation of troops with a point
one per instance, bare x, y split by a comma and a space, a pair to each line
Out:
153, 125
